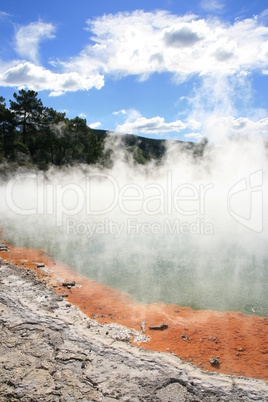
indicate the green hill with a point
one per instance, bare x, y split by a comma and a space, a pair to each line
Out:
34, 135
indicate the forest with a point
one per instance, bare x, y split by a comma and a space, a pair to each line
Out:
34, 135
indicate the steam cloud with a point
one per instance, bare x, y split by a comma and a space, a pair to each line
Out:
191, 231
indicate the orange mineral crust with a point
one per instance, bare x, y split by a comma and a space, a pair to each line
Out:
238, 341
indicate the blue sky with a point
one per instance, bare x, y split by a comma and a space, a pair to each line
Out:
161, 69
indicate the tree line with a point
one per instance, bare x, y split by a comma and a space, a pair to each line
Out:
33, 133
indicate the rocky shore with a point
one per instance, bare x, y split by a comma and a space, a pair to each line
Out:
51, 351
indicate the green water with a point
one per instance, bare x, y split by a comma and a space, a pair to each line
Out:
159, 269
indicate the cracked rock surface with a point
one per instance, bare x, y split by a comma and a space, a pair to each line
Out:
50, 351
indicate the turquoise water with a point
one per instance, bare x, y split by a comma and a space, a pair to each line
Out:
170, 269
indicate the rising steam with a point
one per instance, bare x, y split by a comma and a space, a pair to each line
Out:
191, 230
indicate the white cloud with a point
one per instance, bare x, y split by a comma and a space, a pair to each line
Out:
193, 124
123, 111
135, 123
54, 94
4, 15
39, 79
28, 38
97, 124
194, 136
83, 116
212, 126
212, 5
246, 126
219, 128
141, 43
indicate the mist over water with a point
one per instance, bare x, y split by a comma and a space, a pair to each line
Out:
190, 231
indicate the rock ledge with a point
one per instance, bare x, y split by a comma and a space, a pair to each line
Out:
50, 351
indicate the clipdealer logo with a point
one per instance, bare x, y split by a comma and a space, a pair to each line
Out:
250, 193
244, 199
72, 199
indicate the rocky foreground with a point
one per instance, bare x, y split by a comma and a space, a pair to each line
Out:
50, 351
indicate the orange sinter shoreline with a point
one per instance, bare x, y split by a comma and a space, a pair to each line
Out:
239, 341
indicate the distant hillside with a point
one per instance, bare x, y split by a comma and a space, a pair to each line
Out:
150, 148
36, 136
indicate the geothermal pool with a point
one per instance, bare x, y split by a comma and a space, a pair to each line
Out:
160, 271
188, 232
